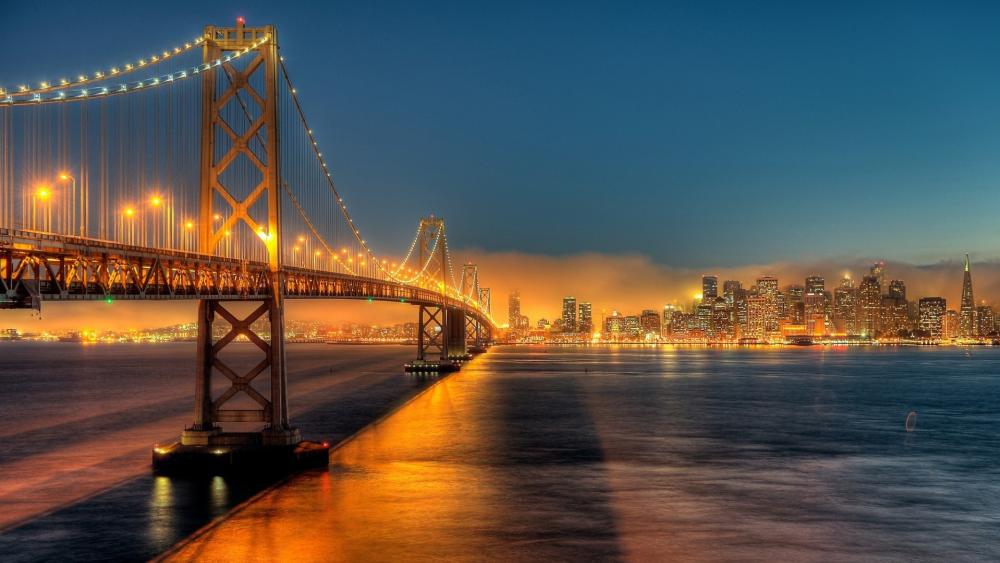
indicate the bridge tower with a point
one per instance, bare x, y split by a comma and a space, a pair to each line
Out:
254, 88
470, 290
440, 329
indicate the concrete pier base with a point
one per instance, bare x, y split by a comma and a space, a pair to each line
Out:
219, 458
432, 366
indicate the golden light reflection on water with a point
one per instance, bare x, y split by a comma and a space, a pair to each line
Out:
399, 490
161, 513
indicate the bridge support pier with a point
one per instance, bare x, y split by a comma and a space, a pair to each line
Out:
457, 335
475, 335
204, 445
433, 341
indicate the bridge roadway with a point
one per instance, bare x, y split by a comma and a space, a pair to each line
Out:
36, 267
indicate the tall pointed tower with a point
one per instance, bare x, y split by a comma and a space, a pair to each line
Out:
967, 314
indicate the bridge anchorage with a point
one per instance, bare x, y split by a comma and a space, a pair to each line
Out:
203, 181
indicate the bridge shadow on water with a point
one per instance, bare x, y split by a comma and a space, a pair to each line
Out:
550, 462
501, 462
142, 517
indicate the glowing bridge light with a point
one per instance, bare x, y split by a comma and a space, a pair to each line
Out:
189, 225
43, 193
129, 212
156, 201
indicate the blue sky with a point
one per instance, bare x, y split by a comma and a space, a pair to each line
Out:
700, 135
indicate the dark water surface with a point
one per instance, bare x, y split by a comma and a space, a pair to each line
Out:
533, 454
528, 454
75, 481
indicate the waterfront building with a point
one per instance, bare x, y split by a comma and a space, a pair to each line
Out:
543, 324
845, 308
569, 314
740, 308
631, 327
950, 325
722, 320
757, 316
666, 324
869, 305
586, 318
794, 304
703, 313
614, 326
767, 289
709, 289
985, 321
682, 325
967, 312
893, 317
931, 313
814, 307
649, 323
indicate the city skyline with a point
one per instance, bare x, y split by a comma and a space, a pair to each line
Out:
627, 282
876, 303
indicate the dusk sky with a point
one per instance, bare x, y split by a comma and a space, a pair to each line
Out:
722, 135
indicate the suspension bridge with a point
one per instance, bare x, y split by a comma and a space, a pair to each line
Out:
193, 173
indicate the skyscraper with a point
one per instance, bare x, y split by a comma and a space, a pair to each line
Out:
649, 321
631, 327
514, 309
666, 324
614, 326
949, 327
869, 305
709, 289
586, 319
814, 313
815, 285
795, 304
897, 289
967, 311
757, 313
878, 271
729, 289
985, 321
845, 308
722, 319
767, 289
931, 311
569, 314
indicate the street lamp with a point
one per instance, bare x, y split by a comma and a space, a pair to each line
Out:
41, 197
156, 202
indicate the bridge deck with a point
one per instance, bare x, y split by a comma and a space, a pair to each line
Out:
36, 267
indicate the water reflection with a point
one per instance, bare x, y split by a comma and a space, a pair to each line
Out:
688, 454
161, 514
